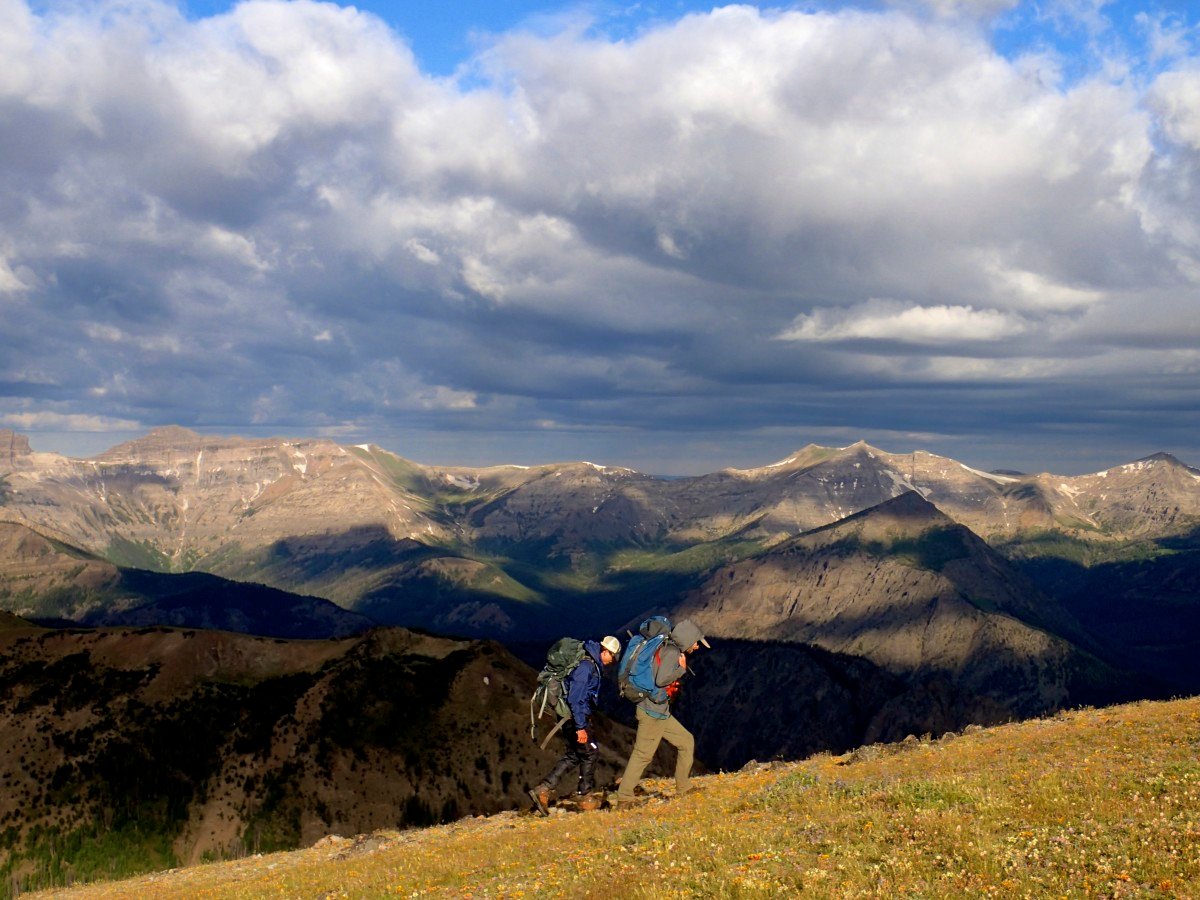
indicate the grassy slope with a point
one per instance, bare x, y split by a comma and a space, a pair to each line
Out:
1092, 802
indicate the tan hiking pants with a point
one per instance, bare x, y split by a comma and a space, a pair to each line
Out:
650, 733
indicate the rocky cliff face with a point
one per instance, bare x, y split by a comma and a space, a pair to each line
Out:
12, 447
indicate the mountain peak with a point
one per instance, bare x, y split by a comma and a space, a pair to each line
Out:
172, 433
909, 507
12, 445
909, 513
166, 437
811, 454
1153, 461
1164, 457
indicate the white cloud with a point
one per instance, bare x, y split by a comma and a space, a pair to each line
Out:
10, 282
421, 252
1030, 290
1176, 94
441, 397
52, 421
888, 321
153, 343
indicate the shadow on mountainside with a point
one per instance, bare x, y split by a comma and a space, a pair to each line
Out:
763, 700
201, 600
318, 558
410, 584
1143, 614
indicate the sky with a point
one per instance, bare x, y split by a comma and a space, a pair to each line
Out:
662, 235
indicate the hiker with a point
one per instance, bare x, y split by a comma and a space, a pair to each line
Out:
582, 688
668, 662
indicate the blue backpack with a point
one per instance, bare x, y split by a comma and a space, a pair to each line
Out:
635, 675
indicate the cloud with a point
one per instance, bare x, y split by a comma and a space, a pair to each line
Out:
959, 8
1176, 94
10, 281
884, 321
274, 217
51, 421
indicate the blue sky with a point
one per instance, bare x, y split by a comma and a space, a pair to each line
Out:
442, 35
669, 236
446, 35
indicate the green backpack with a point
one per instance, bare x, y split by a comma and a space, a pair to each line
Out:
561, 659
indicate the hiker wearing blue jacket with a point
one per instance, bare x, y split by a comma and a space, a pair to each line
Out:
582, 688
654, 720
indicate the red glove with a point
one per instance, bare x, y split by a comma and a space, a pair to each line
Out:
672, 690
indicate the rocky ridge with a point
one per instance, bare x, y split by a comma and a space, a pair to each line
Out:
906, 588
141, 746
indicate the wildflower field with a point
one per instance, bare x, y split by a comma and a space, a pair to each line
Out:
1090, 803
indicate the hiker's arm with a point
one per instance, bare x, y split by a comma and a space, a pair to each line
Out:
669, 670
578, 696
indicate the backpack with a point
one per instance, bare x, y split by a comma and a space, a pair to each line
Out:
635, 675
561, 659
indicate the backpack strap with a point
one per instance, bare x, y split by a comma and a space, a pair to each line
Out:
553, 731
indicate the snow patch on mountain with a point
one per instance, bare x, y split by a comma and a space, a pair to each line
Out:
999, 479
900, 484
1139, 466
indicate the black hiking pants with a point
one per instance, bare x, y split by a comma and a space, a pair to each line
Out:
581, 755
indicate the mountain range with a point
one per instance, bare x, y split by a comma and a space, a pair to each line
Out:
528, 553
523, 553
851, 596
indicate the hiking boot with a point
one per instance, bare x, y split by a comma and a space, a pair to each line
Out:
590, 801
541, 799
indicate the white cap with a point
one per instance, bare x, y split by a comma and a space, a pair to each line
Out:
612, 645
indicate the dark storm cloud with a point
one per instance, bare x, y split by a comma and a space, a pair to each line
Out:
739, 230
